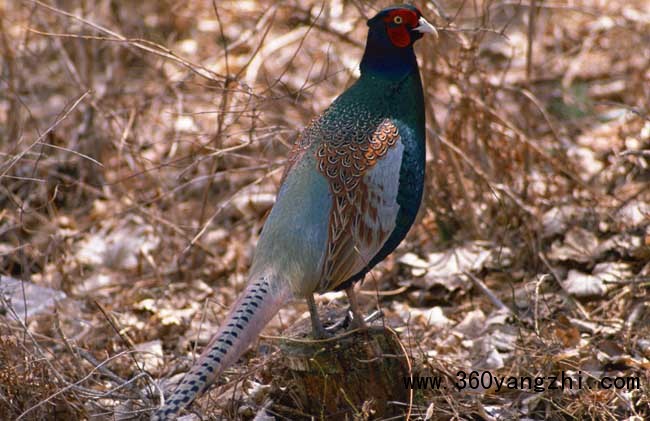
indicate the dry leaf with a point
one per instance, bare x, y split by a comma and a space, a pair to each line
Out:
578, 245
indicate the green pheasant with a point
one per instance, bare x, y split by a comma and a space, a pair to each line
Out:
350, 192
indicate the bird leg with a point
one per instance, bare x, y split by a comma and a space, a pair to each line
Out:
358, 321
318, 331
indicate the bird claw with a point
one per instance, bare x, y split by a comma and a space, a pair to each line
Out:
343, 322
356, 321
362, 323
322, 332
375, 315
352, 322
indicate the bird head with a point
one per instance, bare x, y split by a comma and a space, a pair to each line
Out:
391, 34
400, 25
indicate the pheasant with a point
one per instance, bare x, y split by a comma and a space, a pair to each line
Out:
350, 192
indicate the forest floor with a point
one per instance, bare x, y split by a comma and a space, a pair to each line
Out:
142, 143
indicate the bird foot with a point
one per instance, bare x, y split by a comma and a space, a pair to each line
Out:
375, 315
356, 321
363, 323
349, 322
353, 321
321, 332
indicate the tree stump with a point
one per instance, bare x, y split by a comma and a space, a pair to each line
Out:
348, 375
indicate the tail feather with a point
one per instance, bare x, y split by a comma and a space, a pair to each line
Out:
256, 306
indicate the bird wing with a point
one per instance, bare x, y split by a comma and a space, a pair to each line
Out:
363, 177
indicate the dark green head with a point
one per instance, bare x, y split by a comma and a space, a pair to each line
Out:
391, 34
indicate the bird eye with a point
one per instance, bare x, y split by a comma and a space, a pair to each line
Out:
398, 20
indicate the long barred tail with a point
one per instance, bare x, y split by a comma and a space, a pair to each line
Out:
259, 302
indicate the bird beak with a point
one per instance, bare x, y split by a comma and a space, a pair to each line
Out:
425, 27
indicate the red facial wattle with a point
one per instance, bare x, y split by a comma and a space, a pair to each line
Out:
399, 32
399, 36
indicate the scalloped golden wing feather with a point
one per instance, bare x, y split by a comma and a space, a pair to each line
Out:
363, 179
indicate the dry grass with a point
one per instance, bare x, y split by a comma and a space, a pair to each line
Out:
159, 129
